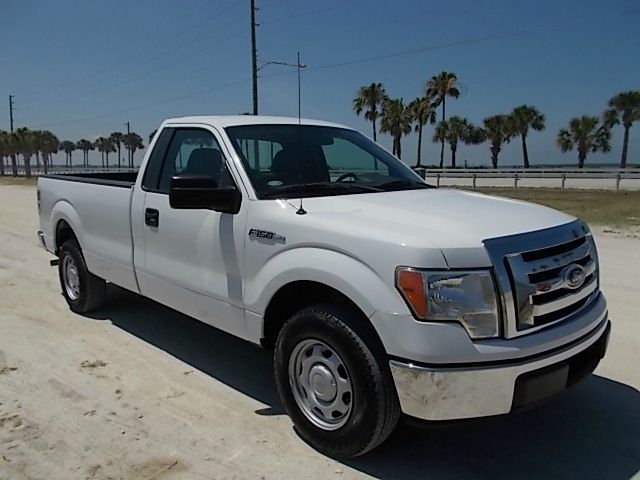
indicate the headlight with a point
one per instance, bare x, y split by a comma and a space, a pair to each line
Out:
467, 297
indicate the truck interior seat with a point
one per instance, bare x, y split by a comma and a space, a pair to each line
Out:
204, 161
311, 168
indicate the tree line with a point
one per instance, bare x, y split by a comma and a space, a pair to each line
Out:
585, 134
42, 144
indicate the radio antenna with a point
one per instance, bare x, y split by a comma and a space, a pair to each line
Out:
301, 211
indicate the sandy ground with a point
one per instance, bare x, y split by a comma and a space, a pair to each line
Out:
141, 392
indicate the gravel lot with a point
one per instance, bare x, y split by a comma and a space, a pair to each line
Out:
138, 391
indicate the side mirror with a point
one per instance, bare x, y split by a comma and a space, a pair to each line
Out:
201, 192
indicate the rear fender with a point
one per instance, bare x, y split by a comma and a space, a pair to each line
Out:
63, 210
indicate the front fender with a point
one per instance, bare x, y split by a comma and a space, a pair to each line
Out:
357, 281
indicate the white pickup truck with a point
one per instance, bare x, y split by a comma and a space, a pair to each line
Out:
379, 293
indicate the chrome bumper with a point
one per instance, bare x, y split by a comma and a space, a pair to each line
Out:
431, 393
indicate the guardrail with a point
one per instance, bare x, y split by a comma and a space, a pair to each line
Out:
616, 175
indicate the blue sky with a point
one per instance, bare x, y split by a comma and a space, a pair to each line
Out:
82, 68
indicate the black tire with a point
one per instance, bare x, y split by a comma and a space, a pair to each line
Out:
90, 289
374, 411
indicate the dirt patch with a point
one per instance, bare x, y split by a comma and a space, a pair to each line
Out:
93, 364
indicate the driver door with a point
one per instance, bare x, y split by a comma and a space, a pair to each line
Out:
190, 259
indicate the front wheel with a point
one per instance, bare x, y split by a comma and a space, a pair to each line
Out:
82, 290
334, 381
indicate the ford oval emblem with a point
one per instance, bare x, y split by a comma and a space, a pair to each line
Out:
574, 276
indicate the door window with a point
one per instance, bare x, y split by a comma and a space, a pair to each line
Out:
193, 151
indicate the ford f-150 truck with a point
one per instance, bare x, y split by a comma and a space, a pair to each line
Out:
379, 294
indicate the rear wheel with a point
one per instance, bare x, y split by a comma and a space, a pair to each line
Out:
82, 290
334, 381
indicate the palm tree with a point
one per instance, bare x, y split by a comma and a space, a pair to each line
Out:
422, 112
116, 139
370, 99
11, 149
151, 135
585, 134
439, 87
26, 145
49, 144
497, 130
36, 142
395, 120
523, 118
86, 146
454, 131
104, 146
626, 107
98, 144
4, 149
133, 142
68, 148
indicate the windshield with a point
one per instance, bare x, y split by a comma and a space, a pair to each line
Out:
286, 161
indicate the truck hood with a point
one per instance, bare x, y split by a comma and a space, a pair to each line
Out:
444, 218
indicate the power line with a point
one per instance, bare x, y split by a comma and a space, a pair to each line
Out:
72, 83
147, 105
144, 73
390, 21
458, 43
347, 63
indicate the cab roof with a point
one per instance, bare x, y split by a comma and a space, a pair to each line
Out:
223, 121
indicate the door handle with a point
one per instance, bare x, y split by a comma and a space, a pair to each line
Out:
151, 217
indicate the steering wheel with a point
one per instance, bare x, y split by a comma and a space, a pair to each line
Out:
344, 176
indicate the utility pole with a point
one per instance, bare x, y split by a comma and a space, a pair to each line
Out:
11, 112
298, 67
254, 59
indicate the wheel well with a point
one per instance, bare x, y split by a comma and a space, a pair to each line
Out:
64, 232
294, 297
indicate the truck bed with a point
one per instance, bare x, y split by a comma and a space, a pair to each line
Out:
97, 206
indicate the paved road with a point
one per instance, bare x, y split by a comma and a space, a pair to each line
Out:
138, 391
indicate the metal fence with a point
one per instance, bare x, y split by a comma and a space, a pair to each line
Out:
59, 169
608, 177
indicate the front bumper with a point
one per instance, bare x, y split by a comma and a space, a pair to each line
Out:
457, 392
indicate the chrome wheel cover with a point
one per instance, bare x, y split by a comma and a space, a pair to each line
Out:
320, 384
70, 277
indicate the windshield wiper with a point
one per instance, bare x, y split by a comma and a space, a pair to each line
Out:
402, 183
309, 189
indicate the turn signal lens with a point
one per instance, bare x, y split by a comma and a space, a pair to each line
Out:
411, 285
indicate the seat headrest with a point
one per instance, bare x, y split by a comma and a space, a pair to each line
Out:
204, 161
285, 161
310, 166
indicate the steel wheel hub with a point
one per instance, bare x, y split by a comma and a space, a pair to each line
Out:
320, 384
323, 383
71, 278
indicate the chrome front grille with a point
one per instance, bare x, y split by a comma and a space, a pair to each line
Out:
551, 283
544, 277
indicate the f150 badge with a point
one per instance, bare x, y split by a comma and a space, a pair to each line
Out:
257, 234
